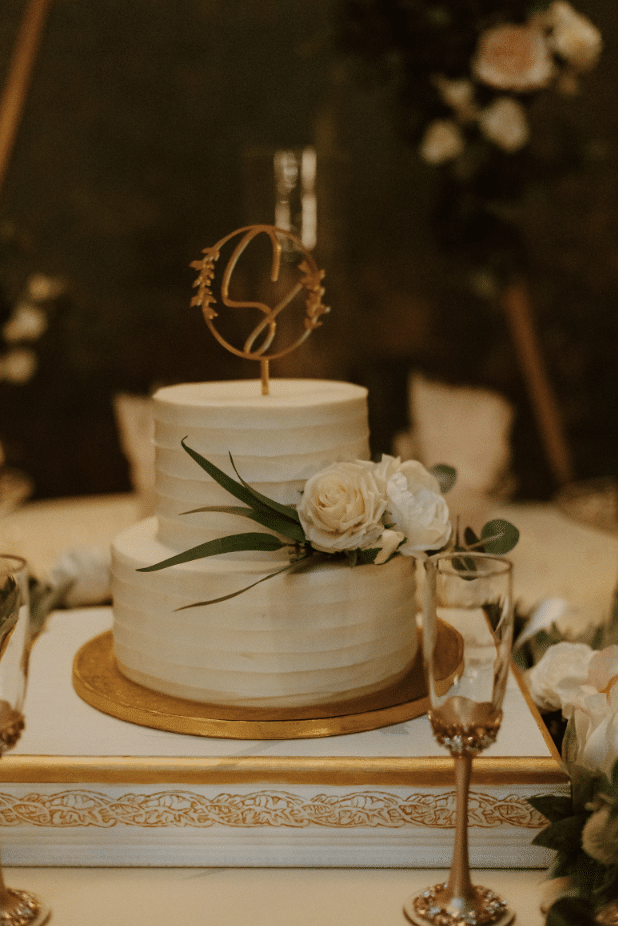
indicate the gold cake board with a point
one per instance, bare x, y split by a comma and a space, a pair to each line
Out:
99, 682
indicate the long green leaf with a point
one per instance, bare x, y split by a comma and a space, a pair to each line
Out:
266, 518
286, 510
241, 491
233, 544
271, 575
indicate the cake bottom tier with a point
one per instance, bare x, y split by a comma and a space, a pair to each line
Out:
326, 633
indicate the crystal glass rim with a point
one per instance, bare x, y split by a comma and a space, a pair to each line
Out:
18, 561
503, 566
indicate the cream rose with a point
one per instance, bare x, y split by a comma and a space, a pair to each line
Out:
573, 36
504, 122
415, 507
442, 142
342, 508
555, 681
513, 57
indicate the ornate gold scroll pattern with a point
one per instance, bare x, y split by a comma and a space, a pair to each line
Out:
75, 808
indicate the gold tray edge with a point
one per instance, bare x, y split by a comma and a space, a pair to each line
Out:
337, 770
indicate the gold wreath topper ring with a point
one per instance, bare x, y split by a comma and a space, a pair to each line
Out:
311, 281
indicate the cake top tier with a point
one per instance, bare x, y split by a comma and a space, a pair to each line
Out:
238, 401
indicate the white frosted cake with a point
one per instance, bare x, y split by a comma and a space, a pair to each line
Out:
325, 633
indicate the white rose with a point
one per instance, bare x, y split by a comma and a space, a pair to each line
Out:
504, 122
442, 142
342, 508
416, 507
573, 36
513, 57
556, 680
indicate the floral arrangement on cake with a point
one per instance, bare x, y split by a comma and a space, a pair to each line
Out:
359, 510
580, 683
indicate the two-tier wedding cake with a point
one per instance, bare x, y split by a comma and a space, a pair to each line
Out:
326, 632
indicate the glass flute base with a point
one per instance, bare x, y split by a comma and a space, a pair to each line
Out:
434, 907
21, 908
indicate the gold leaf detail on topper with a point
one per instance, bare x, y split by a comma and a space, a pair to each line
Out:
261, 338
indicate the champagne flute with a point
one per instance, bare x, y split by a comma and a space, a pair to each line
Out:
472, 592
17, 908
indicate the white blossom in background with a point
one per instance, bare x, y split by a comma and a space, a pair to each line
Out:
27, 323
442, 142
459, 95
18, 366
505, 123
513, 57
42, 288
573, 36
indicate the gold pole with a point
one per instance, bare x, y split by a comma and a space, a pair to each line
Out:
18, 80
518, 309
264, 367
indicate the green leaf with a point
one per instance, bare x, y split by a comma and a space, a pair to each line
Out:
500, 536
286, 510
470, 538
553, 806
570, 911
563, 835
233, 544
266, 518
241, 591
241, 491
446, 476
367, 557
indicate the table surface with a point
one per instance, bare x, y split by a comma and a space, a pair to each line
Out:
555, 557
262, 897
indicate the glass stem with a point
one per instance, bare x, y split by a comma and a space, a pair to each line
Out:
4, 894
459, 887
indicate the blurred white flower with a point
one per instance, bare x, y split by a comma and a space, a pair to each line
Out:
459, 95
83, 574
27, 323
42, 288
556, 680
600, 833
504, 122
513, 57
442, 142
18, 365
573, 36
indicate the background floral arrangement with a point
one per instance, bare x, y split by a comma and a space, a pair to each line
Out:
466, 74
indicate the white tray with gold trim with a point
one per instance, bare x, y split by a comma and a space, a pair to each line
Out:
86, 788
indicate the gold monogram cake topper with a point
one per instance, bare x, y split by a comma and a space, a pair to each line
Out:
266, 329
